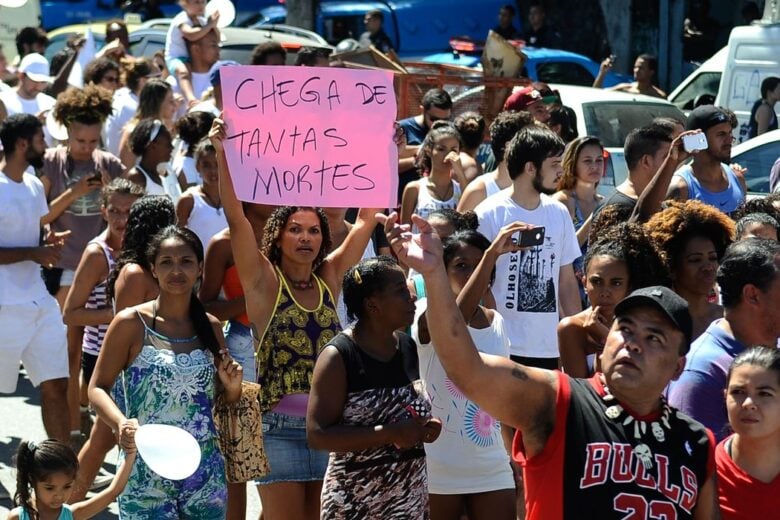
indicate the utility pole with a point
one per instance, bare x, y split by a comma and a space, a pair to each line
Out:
301, 13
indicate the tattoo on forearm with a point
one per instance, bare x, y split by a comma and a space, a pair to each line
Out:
518, 371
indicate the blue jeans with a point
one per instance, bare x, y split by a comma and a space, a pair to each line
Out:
289, 455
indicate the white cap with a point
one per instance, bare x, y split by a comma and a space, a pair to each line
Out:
35, 67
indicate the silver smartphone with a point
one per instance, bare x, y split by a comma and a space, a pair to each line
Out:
694, 142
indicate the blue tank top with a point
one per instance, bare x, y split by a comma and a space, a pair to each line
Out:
65, 514
753, 124
726, 200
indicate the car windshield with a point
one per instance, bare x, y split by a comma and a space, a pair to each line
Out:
758, 162
611, 121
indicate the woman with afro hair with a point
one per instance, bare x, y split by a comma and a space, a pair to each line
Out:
72, 177
623, 258
693, 236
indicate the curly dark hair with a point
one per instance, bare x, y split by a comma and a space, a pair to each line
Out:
503, 129
90, 105
471, 126
610, 215
35, 462
759, 205
467, 221
629, 242
275, 226
97, 68
673, 227
148, 215
193, 127
363, 281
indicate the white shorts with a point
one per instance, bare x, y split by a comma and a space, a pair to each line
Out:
34, 334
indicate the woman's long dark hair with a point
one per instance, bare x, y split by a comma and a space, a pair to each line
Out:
148, 215
200, 321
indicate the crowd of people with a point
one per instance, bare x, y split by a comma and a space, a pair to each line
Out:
506, 343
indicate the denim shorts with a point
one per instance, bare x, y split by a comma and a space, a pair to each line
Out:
241, 345
289, 455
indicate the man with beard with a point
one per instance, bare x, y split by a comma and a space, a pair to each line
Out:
535, 286
29, 316
709, 178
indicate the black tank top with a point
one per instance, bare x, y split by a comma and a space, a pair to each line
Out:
365, 372
753, 125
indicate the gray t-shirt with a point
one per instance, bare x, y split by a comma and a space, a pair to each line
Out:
82, 217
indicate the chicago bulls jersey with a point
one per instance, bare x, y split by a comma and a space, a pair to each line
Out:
588, 468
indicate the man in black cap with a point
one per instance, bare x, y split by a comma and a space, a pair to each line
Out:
709, 178
603, 447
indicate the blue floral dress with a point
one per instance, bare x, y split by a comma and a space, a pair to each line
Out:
163, 386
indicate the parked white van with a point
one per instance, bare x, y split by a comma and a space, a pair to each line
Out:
733, 76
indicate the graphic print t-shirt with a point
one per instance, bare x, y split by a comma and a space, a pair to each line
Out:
526, 286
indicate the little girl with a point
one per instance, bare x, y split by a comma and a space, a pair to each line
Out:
443, 180
748, 462
621, 260
48, 469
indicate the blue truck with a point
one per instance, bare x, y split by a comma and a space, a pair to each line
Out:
416, 27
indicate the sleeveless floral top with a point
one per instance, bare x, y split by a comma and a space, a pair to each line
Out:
291, 342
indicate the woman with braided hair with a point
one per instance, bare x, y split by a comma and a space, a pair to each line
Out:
622, 259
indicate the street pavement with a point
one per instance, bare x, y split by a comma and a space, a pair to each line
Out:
21, 419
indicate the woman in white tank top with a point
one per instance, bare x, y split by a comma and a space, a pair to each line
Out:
468, 465
152, 143
200, 208
443, 180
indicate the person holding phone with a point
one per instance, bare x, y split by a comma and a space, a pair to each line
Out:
709, 178
73, 176
536, 286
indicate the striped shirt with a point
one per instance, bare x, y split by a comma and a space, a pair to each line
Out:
98, 299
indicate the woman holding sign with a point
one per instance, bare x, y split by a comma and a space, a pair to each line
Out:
291, 287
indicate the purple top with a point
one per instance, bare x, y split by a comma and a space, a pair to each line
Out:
699, 390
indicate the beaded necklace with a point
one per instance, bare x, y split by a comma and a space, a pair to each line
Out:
616, 413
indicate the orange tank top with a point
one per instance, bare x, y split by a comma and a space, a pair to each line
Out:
231, 286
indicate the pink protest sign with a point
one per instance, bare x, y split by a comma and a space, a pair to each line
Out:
311, 136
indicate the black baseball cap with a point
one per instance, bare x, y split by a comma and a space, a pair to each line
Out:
706, 116
665, 300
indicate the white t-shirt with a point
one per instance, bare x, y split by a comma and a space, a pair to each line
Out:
175, 47
124, 106
22, 204
14, 104
469, 456
526, 286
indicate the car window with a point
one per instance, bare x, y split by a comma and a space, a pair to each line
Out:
611, 121
758, 162
566, 73
337, 28
706, 83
